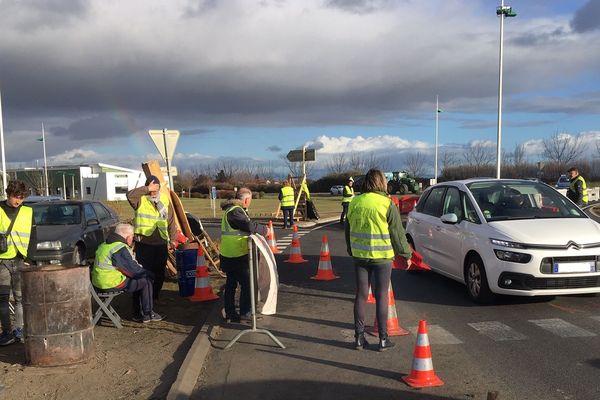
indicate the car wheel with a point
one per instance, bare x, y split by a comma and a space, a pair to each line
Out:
476, 281
79, 255
391, 188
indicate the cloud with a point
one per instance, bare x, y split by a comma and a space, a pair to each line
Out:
95, 128
587, 18
274, 149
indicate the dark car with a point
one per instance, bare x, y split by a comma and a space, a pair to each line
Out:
40, 199
69, 232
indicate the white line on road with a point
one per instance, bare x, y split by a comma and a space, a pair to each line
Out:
437, 335
497, 331
561, 328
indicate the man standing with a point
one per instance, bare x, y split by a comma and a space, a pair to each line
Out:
16, 223
577, 191
286, 198
347, 197
236, 226
155, 229
115, 268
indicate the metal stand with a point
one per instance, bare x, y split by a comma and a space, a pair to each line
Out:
253, 255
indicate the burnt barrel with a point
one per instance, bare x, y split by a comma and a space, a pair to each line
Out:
57, 315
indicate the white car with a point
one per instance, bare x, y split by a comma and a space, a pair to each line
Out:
337, 190
512, 237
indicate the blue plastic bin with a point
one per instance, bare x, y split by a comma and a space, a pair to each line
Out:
185, 261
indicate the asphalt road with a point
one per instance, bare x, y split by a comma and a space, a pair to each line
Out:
526, 348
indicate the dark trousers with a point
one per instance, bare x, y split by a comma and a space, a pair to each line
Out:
288, 217
379, 275
237, 276
141, 289
344, 211
154, 259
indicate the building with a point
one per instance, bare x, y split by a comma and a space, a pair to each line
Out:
84, 182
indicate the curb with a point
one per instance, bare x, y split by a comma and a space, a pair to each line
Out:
191, 367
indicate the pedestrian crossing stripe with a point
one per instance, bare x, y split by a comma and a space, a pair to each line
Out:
561, 328
497, 331
437, 335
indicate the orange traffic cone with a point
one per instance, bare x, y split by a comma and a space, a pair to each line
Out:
325, 271
371, 298
416, 263
203, 290
271, 239
393, 326
295, 251
422, 374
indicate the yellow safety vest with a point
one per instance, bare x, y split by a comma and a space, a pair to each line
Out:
583, 187
147, 218
304, 188
234, 243
287, 196
104, 274
348, 190
18, 242
369, 230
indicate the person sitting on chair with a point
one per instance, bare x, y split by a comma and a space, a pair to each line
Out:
115, 269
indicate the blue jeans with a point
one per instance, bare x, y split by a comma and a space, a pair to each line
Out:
141, 290
288, 217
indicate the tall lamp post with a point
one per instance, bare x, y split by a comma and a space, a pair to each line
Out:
502, 11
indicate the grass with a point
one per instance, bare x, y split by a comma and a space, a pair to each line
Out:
327, 206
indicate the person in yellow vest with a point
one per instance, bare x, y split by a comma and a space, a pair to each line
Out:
347, 196
286, 199
115, 269
236, 226
154, 227
19, 243
577, 191
374, 235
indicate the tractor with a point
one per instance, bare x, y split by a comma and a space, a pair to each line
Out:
401, 182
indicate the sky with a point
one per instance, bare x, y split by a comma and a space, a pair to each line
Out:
253, 79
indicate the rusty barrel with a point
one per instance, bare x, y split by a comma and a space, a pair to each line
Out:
57, 313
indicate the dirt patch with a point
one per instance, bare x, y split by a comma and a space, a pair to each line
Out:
140, 361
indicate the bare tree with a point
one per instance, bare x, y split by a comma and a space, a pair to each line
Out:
519, 158
186, 181
448, 159
415, 164
478, 156
562, 148
337, 164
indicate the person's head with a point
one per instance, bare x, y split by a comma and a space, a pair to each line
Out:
286, 183
350, 181
152, 179
573, 172
244, 195
126, 232
16, 192
375, 181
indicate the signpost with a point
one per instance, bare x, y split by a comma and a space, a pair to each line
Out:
213, 200
165, 141
303, 156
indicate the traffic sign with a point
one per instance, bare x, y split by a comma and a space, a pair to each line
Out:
165, 141
296, 155
173, 170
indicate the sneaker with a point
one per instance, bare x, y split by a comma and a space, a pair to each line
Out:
152, 317
137, 318
7, 338
233, 318
19, 336
385, 343
246, 317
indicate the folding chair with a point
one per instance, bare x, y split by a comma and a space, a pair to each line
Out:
103, 298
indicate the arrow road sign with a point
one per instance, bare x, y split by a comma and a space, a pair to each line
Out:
296, 155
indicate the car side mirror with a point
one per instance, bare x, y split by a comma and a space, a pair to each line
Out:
93, 221
449, 218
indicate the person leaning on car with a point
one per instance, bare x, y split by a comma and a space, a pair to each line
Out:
577, 191
374, 235
20, 243
155, 229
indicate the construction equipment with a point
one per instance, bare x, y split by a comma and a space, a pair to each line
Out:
401, 182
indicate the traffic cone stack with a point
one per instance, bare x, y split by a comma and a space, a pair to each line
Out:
295, 251
203, 290
422, 374
325, 271
371, 298
271, 239
416, 263
393, 326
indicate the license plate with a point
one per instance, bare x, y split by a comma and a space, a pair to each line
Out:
566, 267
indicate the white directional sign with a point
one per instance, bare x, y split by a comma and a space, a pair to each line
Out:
165, 141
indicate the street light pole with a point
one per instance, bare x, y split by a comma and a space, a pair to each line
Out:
502, 11
4, 183
45, 162
437, 111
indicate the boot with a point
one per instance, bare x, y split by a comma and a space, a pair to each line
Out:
359, 341
385, 343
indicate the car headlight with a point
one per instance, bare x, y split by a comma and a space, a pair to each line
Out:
53, 245
512, 256
506, 243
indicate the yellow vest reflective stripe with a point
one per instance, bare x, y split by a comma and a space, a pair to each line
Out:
234, 243
583, 187
104, 274
20, 233
287, 196
348, 190
369, 230
147, 218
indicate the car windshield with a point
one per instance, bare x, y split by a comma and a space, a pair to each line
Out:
504, 200
563, 179
56, 214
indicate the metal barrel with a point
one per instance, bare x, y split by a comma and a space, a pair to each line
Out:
57, 315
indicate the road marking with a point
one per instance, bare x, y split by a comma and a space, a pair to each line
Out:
437, 335
497, 331
561, 328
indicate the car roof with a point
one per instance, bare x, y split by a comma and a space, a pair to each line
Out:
64, 202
